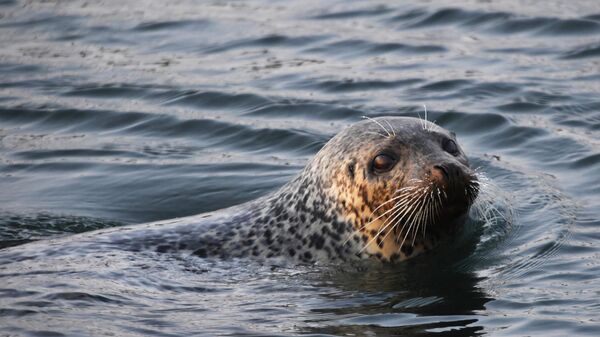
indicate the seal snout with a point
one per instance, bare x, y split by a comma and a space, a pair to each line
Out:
459, 186
450, 176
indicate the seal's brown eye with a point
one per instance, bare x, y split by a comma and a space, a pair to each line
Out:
450, 147
383, 163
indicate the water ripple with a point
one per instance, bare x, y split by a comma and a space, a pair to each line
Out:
580, 52
358, 48
110, 115
366, 12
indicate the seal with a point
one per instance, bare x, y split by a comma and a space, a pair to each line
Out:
385, 189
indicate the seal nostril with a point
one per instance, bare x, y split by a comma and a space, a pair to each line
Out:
444, 170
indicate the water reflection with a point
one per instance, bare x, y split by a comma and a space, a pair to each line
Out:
430, 294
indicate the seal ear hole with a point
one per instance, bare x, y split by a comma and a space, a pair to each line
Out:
383, 163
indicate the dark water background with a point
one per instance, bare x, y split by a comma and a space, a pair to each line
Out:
115, 112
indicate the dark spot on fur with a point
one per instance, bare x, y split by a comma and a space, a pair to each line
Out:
351, 170
307, 255
365, 196
338, 226
317, 241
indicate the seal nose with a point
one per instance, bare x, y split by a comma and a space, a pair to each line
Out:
449, 175
443, 170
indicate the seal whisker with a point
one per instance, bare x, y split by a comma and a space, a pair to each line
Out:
400, 197
414, 184
383, 227
418, 218
376, 133
425, 120
431, 210
391, 220
406, 189
421, 120
368, 243
406, 212
398, 208
376, 122
377, 218
412, 222
409, 209
391, 128
390, 231
387, 223
424, 218
388, 201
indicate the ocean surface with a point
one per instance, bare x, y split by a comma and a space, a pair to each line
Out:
124, 112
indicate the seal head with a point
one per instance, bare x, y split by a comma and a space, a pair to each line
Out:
399, 183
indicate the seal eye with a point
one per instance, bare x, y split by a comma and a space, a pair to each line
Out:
450, 147
383, 163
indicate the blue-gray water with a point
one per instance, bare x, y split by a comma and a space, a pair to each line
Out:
115, 112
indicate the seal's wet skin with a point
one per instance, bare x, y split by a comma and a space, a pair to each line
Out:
384, 188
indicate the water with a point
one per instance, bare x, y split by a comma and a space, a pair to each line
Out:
125, 112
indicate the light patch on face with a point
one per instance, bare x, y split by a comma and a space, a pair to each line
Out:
368, 205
